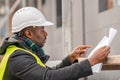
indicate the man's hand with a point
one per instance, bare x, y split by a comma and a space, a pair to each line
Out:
100, 55
78, 52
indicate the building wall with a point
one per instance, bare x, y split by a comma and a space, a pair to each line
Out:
77, 23
53, 46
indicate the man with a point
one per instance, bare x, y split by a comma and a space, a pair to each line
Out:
24, 58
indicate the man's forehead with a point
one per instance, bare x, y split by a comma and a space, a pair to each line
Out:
33, 28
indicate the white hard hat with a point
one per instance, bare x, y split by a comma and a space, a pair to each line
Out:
28, 16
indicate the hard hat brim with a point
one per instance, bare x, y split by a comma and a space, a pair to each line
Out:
48, 23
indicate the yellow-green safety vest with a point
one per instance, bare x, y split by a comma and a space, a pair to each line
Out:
9, 51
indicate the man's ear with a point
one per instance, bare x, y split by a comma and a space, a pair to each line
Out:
28, 34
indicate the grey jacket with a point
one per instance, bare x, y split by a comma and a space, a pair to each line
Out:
23, 66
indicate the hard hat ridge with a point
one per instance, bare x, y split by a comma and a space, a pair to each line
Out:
28, 16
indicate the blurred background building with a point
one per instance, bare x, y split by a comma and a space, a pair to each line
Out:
77, 22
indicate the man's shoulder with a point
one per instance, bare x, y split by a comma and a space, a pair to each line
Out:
21, 54
7, 42
21, 58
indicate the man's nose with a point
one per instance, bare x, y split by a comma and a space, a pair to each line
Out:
46, 34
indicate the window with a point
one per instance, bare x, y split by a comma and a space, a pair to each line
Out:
59, 12
105, 5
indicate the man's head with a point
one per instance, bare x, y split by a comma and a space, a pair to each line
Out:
31, 22
37, 34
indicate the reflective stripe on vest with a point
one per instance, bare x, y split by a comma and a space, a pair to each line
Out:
9, 51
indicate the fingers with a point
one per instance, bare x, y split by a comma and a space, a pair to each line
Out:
81, 47
80, 51
105, 50
86, 46
100, 55
106, 47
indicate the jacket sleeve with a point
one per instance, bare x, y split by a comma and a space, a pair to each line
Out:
25, 67
65, 62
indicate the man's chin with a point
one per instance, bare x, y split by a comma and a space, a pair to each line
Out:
41, 45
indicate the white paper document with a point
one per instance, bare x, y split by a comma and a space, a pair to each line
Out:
105, 41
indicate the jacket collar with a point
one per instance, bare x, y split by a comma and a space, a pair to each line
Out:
11, 41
